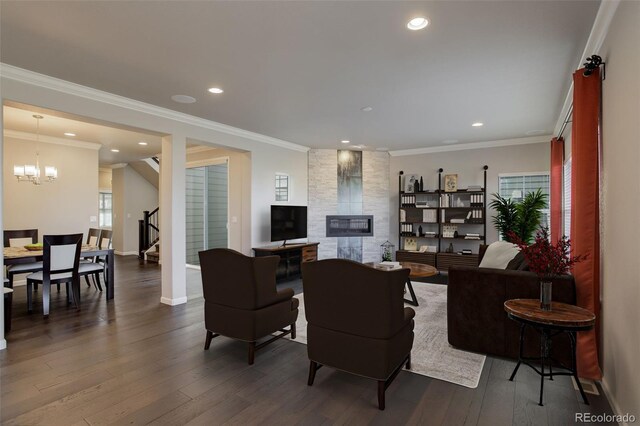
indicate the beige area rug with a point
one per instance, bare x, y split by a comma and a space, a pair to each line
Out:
431, 354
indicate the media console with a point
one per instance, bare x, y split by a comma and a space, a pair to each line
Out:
292, 256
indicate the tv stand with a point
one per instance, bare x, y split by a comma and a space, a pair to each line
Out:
292, 256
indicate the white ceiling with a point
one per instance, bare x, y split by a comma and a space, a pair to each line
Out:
301, 71
54, 125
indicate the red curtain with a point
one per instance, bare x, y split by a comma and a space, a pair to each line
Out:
585, 214
555, 200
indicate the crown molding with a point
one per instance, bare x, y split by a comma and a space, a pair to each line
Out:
200, 148
52, 83
596, 38
28, 136
472, 145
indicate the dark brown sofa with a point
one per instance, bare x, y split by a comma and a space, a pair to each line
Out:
476, 318
241, 300
357, 321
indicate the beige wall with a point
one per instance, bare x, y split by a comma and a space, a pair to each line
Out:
621, 195
468, 165
239, 193
104, 180
65, 206
132, 195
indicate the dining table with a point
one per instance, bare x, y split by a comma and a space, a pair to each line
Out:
17, 255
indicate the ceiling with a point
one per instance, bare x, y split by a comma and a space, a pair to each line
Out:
302, 71
54, 125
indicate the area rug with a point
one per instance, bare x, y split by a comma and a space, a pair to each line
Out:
431, 354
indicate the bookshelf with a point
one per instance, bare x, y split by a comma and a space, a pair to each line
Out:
440, 220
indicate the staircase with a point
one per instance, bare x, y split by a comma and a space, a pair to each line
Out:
149, 236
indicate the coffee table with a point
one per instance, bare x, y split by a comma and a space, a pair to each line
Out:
562, 318
418, 270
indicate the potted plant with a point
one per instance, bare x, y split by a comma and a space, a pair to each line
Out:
519, 218
547, 260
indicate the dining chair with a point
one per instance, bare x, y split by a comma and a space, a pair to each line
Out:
21, 238
93, 239
8, 301
99, 264
60, 261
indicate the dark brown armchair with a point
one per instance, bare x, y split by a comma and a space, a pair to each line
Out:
357, 321
241, 301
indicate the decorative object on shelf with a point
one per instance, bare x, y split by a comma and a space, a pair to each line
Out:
410, 244
387, 251
410, 183
547, 260
450, 248
521, 219
450, 183
416, 186
421, 184
31, 173
449, 231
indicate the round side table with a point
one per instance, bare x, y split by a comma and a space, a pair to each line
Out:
562, 318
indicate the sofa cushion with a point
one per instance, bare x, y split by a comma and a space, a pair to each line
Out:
516, 262
499, 254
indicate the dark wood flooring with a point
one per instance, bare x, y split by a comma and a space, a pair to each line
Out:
136, 361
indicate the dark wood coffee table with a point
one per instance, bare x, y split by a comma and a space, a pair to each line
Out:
418, 270
562, 318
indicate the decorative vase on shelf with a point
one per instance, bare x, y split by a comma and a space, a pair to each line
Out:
421, 184
417, 186
546, 285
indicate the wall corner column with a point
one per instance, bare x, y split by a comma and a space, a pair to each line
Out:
172, 220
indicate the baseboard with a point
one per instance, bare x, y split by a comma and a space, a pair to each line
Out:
126, 253
173, 302
612, 401
3, 344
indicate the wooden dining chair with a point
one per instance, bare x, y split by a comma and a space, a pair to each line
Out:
21, 238
99, 263
60, 262
93, 239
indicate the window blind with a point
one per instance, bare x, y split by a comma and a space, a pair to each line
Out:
517, 186
566, 194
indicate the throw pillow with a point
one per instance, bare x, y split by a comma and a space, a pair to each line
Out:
499, 254
516, 263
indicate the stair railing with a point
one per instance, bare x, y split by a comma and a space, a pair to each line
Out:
148, 231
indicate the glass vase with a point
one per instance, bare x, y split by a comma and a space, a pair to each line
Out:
545, 294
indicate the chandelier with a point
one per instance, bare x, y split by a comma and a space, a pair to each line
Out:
31, 173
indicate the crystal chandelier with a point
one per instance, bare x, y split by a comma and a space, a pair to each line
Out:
31, 173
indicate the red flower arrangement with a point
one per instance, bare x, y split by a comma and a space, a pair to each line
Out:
545, 258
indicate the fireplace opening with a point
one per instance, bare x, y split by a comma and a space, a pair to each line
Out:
349, 226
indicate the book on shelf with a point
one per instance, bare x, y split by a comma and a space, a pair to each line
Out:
430, 216
454, 220
474, 188
403, 215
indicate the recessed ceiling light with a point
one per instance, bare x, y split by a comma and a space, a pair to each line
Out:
216, 90
69, 134
450, 141
115, 150
143, 143
345, 141
478, 124
417, 23
366, 109
183, 99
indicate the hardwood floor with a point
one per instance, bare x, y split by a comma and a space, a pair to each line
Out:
136, 361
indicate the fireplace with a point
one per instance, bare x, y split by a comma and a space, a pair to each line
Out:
349, 226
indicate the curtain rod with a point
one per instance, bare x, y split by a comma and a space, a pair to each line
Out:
567, 120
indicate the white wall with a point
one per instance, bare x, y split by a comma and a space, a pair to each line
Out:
64, 206
265, 163
467, 165
621, 204
132, 195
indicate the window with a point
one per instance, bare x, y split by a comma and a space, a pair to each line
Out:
566, 202
282, 187
517, 185
105, 208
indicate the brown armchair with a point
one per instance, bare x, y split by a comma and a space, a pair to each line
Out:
241, 301
357, 321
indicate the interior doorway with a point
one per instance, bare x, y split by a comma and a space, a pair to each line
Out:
207, 208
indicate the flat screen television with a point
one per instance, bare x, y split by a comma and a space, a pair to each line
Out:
288, 222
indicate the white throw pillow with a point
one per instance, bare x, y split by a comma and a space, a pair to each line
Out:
499, 254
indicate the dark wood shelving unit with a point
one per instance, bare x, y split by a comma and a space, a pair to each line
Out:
413, 217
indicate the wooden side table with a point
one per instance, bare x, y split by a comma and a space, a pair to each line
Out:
418, 270
562, 318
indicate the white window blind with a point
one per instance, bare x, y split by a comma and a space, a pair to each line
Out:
566, 202
105, 209
517, 185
